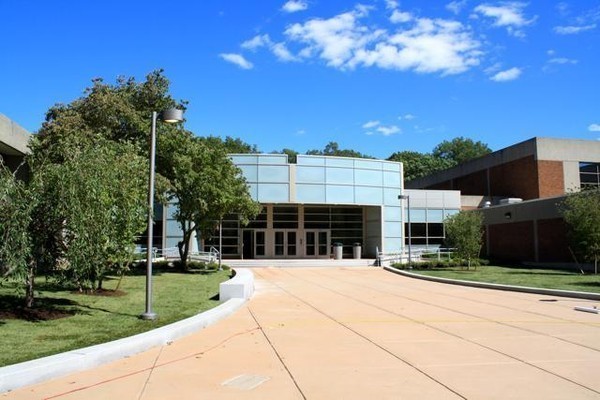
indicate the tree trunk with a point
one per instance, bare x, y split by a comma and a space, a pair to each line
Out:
29, 290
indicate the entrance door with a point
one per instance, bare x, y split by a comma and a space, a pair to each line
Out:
260, 243
286, 243
316, 243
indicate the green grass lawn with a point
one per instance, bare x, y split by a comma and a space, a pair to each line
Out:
532, 277
98, 319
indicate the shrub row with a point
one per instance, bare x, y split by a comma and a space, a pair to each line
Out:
452, 263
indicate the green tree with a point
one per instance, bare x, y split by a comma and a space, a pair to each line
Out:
460, 150
17, 207
118, 112
206, 186
464, 232
581, 212
98, 196
292, 155
232, 145
333, 149
418, 164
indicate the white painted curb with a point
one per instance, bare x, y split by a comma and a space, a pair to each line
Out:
497, 286
42, 369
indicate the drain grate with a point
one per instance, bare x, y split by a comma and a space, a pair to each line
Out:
245, 381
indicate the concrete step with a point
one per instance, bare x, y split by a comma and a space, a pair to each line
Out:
298, 263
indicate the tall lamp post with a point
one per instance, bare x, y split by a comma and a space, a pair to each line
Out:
170, 115
407, 198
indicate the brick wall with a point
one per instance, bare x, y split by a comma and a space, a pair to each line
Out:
473, 184
551, 179
512, 241
552, 241
515, 179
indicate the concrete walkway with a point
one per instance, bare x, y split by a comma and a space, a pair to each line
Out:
356, 333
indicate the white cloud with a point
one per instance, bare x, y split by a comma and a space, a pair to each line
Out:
370, 124
573, 30
507, 75
256, 42
293, 6
237, 59
507, 14
279, 49
399, 17
562, 60
282, 53
391, 4
345, 42
407, 117
456, 6
300, 132
388, 130
594, 128
429, 46
551, 52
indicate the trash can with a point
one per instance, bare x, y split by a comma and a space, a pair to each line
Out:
337, 251
356, 251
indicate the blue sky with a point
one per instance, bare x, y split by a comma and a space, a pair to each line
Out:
375, 76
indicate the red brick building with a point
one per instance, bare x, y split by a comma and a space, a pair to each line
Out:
519, 190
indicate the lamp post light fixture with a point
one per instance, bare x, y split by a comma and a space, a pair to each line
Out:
407, 198
170, 115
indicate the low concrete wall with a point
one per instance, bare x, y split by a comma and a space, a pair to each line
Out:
241, 286
35, 371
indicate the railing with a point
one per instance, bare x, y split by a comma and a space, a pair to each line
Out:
417, 255
398, 258
172, 253
210, 256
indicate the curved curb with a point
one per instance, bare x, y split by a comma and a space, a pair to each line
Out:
496, 286
36, 371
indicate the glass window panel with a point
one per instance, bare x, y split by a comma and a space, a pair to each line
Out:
310, 160
367, 164
273, 193
173, 228
417, 230
253, 191
273, 174
340, 175
391, 166
392, 245
435, 215
393, 229
448, 213
588, 178
390, 197
250, 172
368, 177
368, 195
273, 159
310, 174
244, 159
392, 213
435, 230
340, 194
310, 193
340, 162
416, 215
392, 179
589, 167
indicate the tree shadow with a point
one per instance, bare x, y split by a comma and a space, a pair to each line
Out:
44, 308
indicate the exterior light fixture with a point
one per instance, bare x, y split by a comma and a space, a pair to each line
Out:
170, 115
407, 198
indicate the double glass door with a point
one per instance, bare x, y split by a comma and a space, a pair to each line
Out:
286, 243
316, 243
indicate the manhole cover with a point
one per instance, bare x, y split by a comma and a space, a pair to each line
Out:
245, 381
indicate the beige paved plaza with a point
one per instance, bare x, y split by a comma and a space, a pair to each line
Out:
363, 333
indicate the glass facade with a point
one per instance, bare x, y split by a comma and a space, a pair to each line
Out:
319, 201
